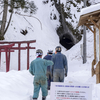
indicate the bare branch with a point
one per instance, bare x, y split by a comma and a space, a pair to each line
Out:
30, 16
1, 12
28, 22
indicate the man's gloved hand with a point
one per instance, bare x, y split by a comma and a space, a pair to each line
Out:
65, 74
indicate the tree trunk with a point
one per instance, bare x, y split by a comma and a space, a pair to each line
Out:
4, 20
9, 21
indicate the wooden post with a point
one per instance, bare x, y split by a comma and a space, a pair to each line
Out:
19, 56
94, 61
99, 40
95, 45
7, 61
27, 56
93, 70
9, 58
98, 65
98, 75
98, 72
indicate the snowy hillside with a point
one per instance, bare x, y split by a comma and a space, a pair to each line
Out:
42, 30
18, 85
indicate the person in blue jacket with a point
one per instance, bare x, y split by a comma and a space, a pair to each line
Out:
38, 68
49, 77
60, 66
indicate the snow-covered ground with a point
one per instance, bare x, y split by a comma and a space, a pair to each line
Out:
18, 85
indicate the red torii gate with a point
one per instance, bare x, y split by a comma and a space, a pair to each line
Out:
19, 48
6, 49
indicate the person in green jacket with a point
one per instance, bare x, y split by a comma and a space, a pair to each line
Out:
38, 68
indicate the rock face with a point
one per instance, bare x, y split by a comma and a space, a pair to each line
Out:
66, 37
66, 41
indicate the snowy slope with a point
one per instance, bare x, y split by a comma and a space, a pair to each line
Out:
18, 85
42, 30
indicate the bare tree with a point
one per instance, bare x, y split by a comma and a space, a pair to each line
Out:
14, 4
4, 19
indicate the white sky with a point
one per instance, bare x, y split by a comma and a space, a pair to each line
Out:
18, 85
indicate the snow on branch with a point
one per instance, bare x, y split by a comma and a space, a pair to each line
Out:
30, 16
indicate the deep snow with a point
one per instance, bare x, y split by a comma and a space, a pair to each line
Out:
18, 85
